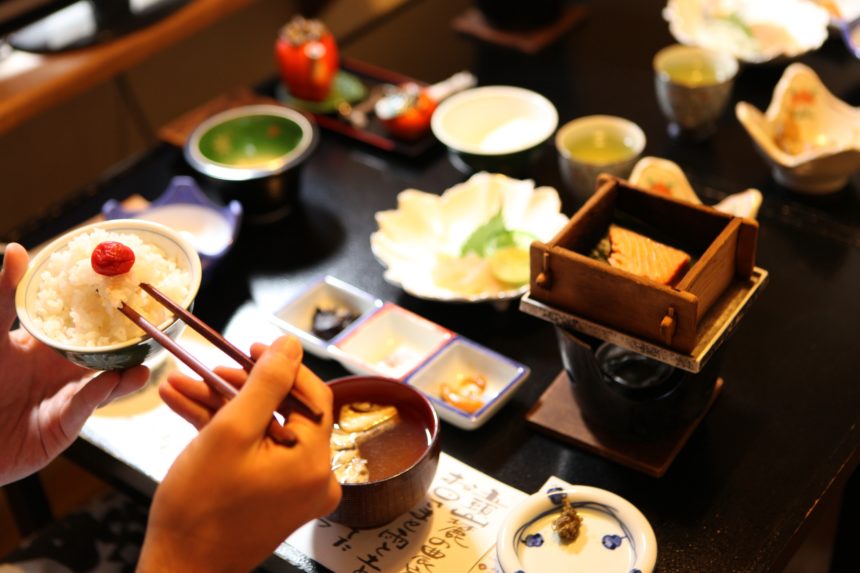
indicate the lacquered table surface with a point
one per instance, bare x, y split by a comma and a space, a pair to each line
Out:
784, 431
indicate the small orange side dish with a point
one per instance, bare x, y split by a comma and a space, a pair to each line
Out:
414, 120
465, 393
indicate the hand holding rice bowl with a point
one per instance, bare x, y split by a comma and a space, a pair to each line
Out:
66, 305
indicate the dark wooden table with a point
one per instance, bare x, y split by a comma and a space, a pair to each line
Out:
784, 433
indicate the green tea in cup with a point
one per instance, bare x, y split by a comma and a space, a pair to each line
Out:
693, 86
692, 73
597, 144
601, 147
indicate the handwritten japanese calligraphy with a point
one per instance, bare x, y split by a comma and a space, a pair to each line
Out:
453, 529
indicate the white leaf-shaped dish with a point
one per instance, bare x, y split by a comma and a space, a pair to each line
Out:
810, 137
664, 176
754, 31
419, 243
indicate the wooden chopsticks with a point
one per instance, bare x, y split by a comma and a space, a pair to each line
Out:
294, 400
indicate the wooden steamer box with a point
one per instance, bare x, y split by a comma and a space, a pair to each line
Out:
565, 277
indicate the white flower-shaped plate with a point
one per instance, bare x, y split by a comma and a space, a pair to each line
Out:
810, 137
420, 242
614, 536
754, 31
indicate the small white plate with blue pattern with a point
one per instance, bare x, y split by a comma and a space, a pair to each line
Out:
614, 536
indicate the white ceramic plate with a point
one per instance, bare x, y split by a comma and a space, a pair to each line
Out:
420, 242
753, 31
494, 120
296, 316
614, 537
810, 138
388, 340
666, 177
183, 207
462, 357
392, 342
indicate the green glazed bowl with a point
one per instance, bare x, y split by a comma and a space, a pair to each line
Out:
250, 142
253, 154
131, 352
500, 129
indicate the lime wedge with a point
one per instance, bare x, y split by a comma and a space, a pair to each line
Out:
510, 265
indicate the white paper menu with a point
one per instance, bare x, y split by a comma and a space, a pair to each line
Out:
453, 530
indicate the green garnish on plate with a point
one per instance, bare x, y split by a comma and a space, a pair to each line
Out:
493, 235
506, 249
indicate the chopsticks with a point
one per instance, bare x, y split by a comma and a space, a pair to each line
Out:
294, 400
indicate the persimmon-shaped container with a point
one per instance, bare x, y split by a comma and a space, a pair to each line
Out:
307, 57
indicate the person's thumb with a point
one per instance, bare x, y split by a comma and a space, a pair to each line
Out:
267, 386
89, 396
15, 262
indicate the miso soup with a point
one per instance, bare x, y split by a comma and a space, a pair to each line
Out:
372, 442
392, 451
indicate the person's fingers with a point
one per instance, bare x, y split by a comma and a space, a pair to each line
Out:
235, 376
197, 414
54, 369
130, 381
268, 384
15, 260
88, 397
196, 390
257, 350
316, 392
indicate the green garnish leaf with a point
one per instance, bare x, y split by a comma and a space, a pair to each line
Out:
602, 251
492, 236
735, 20
482, 237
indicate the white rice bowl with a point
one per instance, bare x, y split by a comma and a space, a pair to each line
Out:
73, 305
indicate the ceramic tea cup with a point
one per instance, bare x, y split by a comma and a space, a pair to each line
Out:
595, 144
693, 87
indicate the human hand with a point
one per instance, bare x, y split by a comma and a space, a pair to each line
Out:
233, 495
44, 399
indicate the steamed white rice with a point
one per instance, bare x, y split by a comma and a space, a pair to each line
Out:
75, 305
